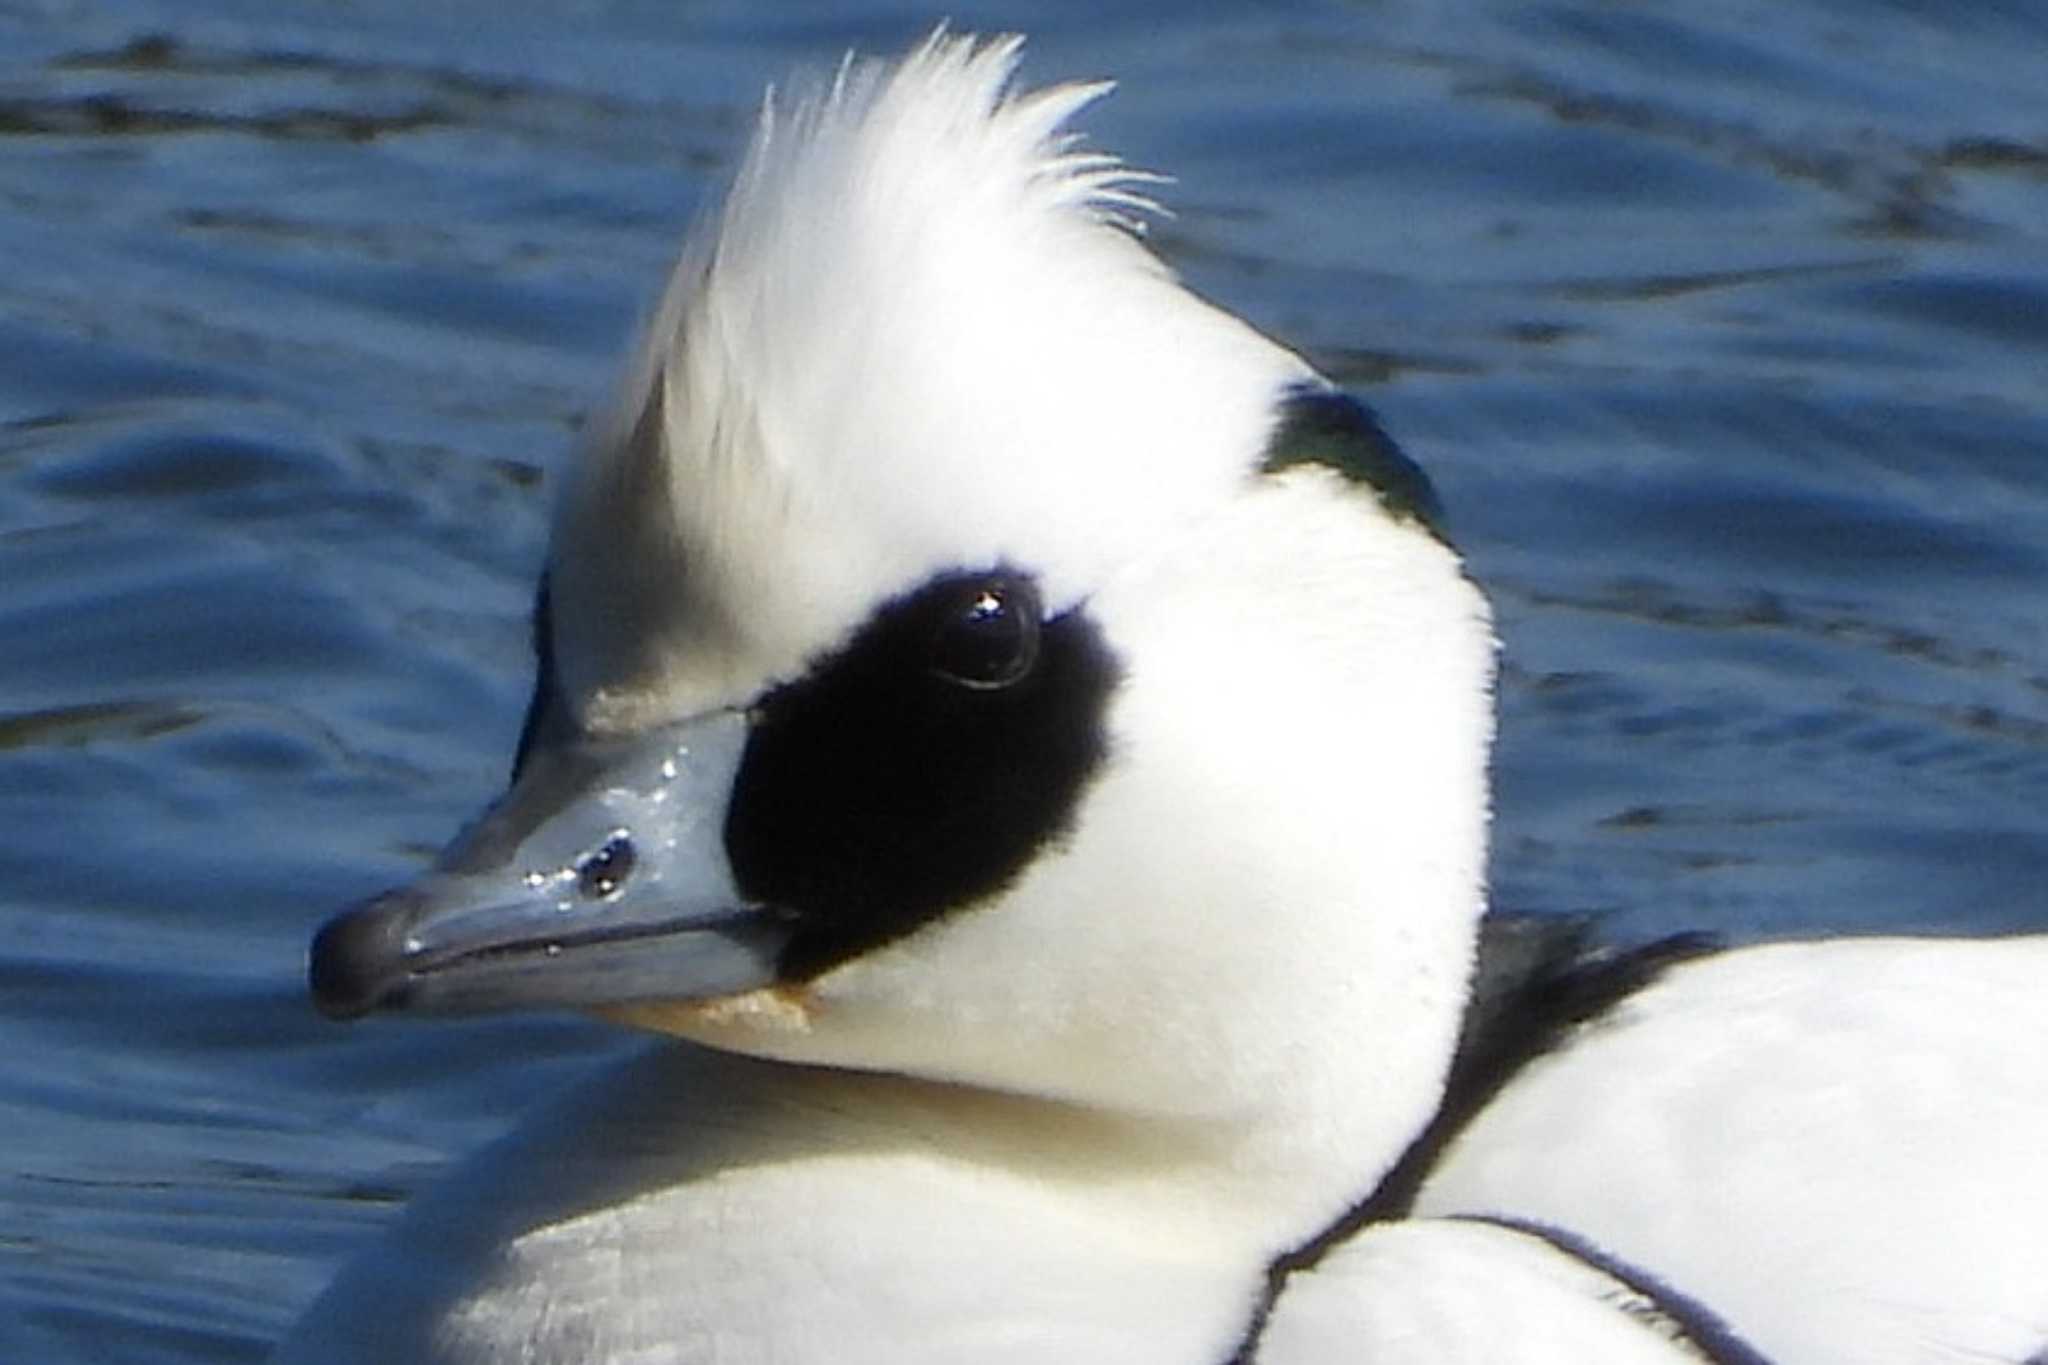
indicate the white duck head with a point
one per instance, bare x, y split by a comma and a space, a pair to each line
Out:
967, 654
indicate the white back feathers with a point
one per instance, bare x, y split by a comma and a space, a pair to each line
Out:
920, 334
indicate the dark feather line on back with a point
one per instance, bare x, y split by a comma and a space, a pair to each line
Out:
1538, 978
1697, 1325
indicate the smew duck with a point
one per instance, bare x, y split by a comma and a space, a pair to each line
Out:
1021, 735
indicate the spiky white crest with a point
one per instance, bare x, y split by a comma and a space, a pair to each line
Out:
919, 335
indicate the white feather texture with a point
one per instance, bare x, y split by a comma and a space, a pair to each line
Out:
919, 334
1839, 1146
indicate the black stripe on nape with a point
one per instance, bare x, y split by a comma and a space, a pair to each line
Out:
1691, 1322
544, 707
1327, 427
1538, 978
919, 768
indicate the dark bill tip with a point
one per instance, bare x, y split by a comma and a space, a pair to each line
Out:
349, 967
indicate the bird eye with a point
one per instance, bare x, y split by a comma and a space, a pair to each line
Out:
988, 638
605, 869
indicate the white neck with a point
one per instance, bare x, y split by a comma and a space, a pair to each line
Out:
792, 1215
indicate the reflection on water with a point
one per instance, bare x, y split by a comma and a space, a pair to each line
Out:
1721, 338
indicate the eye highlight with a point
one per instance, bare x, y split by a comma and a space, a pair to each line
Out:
988, 636
604, 869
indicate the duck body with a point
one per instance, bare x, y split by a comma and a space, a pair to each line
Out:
1837, 1145
696, 1206
811, 1216
1022, 735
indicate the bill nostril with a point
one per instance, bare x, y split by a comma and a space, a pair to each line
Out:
605, 870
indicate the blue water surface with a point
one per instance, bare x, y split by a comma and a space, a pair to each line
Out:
1721, 329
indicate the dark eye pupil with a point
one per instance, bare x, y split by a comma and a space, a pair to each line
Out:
990, 637
605, 870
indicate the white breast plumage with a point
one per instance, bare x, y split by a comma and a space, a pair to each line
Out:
1023, 735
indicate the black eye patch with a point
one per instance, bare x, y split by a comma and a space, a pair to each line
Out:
922, 766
